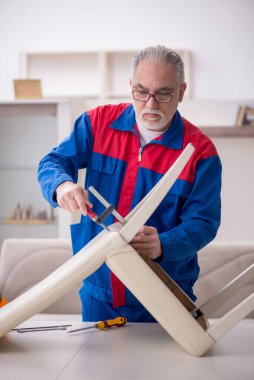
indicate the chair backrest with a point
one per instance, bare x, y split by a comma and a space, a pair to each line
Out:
25, 262
221, 262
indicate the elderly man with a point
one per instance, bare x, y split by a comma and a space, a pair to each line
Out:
126, 149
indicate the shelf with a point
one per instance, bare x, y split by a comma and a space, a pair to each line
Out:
31, 222
86, 73
228, 131
28, 109
29, 130
27, 223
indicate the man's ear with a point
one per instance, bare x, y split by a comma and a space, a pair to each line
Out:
182, 91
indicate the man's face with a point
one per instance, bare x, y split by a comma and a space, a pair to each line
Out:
156, 78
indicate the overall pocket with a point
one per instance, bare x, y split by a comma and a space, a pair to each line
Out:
80, 235
101, 173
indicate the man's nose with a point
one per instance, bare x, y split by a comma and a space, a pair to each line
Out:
151, 103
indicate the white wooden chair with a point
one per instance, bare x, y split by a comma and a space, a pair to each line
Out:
186, 325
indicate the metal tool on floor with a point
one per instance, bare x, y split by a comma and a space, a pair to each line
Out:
41, 328
110, 209
102, 325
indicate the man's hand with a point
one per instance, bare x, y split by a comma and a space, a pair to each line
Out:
72, 197
147, 242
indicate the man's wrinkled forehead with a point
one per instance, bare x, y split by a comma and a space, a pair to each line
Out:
155, 76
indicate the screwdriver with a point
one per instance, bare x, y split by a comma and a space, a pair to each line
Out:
102, 325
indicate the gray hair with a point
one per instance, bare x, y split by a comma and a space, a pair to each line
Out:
159, 54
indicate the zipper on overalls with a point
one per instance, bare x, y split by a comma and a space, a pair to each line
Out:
140, 153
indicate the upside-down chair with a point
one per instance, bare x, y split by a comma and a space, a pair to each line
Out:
169, 305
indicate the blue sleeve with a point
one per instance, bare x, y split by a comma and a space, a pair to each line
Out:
200, 215
63, 162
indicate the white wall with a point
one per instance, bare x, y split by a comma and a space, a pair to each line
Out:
219, 34
237, 156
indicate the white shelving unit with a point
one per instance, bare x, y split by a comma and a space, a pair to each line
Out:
29, 129
91, 75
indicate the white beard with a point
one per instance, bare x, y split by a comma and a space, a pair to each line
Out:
160, 126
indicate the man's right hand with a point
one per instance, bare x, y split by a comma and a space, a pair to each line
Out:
72, 197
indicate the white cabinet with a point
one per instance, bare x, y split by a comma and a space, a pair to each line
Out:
29, 130
99, 75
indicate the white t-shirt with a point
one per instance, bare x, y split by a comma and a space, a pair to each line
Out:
146, 135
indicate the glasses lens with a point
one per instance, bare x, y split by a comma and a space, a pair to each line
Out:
163, 97
141, 95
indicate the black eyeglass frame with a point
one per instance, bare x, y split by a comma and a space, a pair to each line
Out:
154, 96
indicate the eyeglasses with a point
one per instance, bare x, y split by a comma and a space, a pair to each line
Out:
159, 97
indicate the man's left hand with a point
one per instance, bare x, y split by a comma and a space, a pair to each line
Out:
147, 243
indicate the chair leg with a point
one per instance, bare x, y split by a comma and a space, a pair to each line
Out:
214, 303
230, 319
